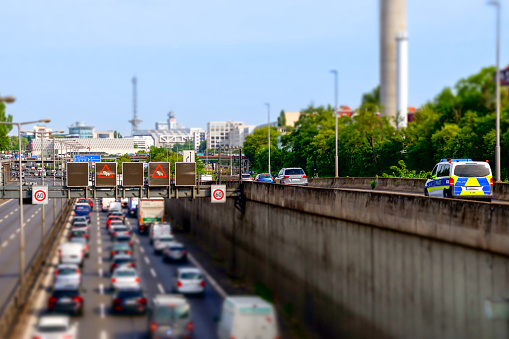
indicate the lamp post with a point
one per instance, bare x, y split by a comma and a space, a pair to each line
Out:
336, 116
268, 128
496, 3
21, 226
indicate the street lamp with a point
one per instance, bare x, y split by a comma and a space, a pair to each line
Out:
336, 115
268, 128
21, 231
496, 3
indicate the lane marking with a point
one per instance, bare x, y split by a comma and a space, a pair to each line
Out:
102, 311
101, 289
17, 231
146, 260
100, 272
142, 250
153, 272
99, 250
4, 244
104, 335
211, 280
100, 260
161, 289
12, 236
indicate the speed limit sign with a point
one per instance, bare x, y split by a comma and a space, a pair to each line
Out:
39, 195
218, 193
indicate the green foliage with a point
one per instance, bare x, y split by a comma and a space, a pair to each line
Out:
5, 129
122, 159
458, 123
117, 135
203, 146
373, 184
187, 145
281, 119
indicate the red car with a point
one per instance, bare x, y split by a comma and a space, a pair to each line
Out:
113, 217
88, 201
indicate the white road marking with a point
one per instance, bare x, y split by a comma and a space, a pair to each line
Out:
153, 272
146, 260
142, 250
100, 272
212, 281
104, 335
102, 310
100, 260
101, 289
1, 219
12, 236
28, 220
99, 250
4, 244
17, 231
6, 201
161, 289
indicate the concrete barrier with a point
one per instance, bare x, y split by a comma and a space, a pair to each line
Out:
362, 264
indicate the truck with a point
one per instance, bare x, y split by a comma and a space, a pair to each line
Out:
132, 205
106, 203
149, 211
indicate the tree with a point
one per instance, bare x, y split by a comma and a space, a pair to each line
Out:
121, 160
281, 120
372, 98
4, 129
203, 146
117, 135
257, 150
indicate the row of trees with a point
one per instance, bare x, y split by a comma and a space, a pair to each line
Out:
458, 123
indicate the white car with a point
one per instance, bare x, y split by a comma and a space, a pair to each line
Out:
115, 226
125, 276
54, 326
67, 274
119, 230
162, 242
189, 280
71, 253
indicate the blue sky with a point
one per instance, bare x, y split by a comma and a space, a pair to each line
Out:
222, 60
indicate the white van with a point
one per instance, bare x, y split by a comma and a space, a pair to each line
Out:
247, 317
115, 206
158, 230
71, 253
106, 203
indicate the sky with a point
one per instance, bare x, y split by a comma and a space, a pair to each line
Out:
223, 60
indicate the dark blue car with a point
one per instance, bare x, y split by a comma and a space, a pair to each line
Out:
83, 210
264, 177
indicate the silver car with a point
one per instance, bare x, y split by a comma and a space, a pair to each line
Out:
54, 327
67, 274
125, 277
292, 176
170, 317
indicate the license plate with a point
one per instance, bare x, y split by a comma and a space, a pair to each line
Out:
65, 300
130, 302
473, 188
169, 332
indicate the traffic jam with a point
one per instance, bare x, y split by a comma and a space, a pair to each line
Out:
122, 272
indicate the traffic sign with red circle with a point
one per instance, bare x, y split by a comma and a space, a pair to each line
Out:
39, 195
218, 193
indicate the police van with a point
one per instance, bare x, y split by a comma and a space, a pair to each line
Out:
460, 178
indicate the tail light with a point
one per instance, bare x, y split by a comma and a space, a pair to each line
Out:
117, 301
304, 176
52, 301
179, 283
190, 326
142, 300
113, 266
137, 279
74, 213
113, 280
451, 182
286, 177
59, 254
258, 179
77, 271
56, 272
153, 327
113, 252
114, 233
130, 244
491, 181
132, 265
77, 299
129, 252
202, 284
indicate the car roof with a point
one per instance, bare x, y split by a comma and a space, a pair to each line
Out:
176, 243
188, 270
247, 300
54, 320
60, 266
66, 287
169, 298
122, 256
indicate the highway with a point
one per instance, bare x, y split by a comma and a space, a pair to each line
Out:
155, 275
9, 241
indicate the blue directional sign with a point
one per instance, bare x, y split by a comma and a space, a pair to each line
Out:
87, 158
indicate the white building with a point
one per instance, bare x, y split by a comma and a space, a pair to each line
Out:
84, 145
238, 134
219, 133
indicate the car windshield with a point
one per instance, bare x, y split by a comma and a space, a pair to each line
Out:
52, 329
125, 273
120, 228
66, 271
294, 171
122, 261
82, 208
176, 248
125, 239
165, 314
79, 240
121, 246
166, 239
246, 175
65, 293
265, 176
471, 170
80, 224
191, 275
129, 294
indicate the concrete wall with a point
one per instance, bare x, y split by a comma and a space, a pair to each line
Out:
388, 277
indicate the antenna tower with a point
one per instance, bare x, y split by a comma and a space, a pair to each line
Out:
134, 121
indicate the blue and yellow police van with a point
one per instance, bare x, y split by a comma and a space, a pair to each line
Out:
460, 178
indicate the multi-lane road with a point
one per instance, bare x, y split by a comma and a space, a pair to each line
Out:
156, 277
9, 241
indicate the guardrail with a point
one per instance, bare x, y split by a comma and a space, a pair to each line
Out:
16, 305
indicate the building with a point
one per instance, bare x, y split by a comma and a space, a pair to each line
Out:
104, 135
84, 145
291, 118
80, 130
239, 133
219, 133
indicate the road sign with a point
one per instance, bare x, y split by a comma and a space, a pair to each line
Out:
218, 194
132, 173
189, 156
39, 195
87, 158
105, 174
77, 174
159, 174
185, 174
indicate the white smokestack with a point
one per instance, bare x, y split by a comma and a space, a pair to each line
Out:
402, 76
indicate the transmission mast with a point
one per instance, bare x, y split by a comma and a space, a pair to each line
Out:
134, 121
